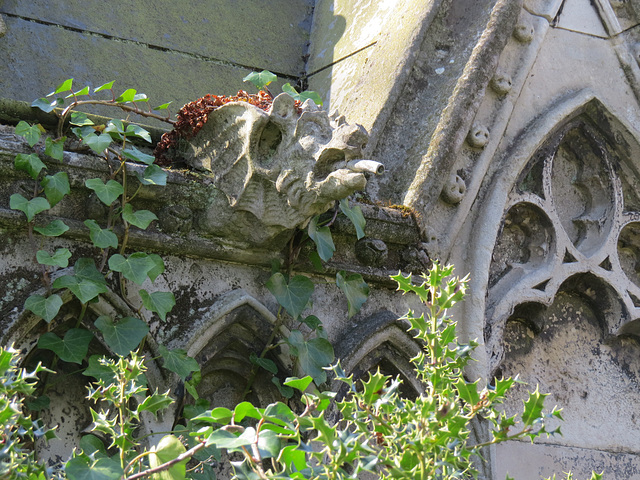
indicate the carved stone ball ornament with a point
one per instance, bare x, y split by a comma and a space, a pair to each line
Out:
501, 84
454, 190
478, 136
524, 32
274, 170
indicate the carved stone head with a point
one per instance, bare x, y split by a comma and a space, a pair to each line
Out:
277, 169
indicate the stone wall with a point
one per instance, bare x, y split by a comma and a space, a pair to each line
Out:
510, 128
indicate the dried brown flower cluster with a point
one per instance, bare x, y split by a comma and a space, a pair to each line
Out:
192, 117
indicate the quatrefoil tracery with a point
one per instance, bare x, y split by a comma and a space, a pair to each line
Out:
572, 212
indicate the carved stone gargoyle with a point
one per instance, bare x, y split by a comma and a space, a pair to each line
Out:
277, 169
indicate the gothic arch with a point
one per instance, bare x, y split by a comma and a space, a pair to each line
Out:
386, 345
565, 196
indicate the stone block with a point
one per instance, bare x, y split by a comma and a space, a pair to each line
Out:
269, 36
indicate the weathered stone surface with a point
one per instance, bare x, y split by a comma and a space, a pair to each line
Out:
277, 169
250, 34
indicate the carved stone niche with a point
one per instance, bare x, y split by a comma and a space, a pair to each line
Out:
563, 304
276, 169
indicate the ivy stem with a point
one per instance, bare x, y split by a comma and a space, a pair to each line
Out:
83, 310
267, 347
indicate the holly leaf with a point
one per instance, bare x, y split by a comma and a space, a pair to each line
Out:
53, 229
533, 407
158, 302
124, 336
59, 259
132, 153
468, 391
153, 175
293, 295
29, 207
355, 215
29, 163
101, 237
140, 218
106, 192
156, 402
313, 355
73, 348
55, 148
56, 187
321, 236
44, 307
31, 133
135, 267
355, 288
178, 361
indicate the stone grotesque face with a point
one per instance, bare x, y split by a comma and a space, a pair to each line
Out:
277, 169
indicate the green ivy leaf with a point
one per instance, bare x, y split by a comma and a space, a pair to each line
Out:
321, 236
107, 193
132, 153
97, 143
72, 349
355, 288
158, 267
178, 361
80, 119
59, 259
52, 229
300, 384
265, 363
260, 79
158, 302
45, 307
84, 91
137, 131
63, 87
29, 163
313, 355
98, 370
294, 295
106, 86
29, 207
124, 336
286, 392
127, 96
156, 402
164, 106
86, 283
56, 187
55, 148
139, 218
41, 403
31, 133
301, 97
47, 105
84, 468
101, 237
355, 215
152, 175
135, 267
